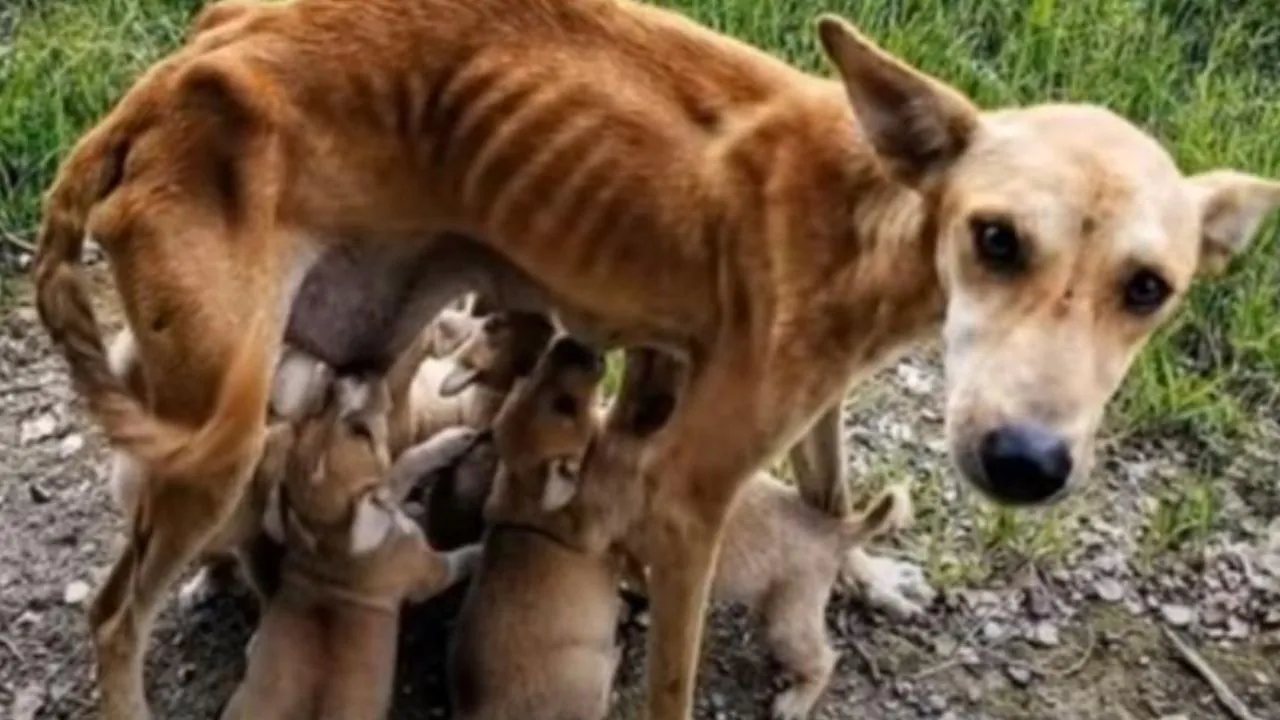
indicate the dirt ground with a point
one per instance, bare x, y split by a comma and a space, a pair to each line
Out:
1046, 616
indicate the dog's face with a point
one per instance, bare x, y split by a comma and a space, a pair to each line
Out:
546, 426
333, 496
505, 347
1065, 237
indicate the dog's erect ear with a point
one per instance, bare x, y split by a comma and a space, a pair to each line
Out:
916, 124
458, 379
1232, 207
562, 484
273, 516
372, 522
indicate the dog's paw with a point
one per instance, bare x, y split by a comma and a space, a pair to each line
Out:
892, 586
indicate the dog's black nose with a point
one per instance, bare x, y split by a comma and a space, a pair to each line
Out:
1025, 464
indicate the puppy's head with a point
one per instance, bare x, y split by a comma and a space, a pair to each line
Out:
1064, 237
333, 498
505, 347
546, 426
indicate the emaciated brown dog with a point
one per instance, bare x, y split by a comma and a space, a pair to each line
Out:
658, 185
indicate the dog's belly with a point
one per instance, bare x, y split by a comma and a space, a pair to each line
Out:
361, 303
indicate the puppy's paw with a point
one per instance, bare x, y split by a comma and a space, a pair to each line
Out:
894, 587
791, 705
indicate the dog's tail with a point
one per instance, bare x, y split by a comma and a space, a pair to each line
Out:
92, 171
887, 512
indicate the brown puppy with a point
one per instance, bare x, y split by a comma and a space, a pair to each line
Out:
535, 639
467, 387
784, 233
326, 643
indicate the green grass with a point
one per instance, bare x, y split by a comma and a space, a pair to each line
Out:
1204, 75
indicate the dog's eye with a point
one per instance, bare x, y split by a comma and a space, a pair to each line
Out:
999, 246
565, 405
1145, 292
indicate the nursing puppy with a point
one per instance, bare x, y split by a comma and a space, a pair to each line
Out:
326, 643
466, 387
535, 639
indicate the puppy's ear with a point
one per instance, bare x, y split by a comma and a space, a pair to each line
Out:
1232, 207
273, 516
452, 328
371, 523
916, 124
561, 485
458, 379
273, 463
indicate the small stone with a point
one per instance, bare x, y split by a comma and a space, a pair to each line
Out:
1108, 590
973, 694
717, 700
936, 702
1039, 604
1020, 675
1177, 615
1179, 716
1143, 661
38, 494
1045, 635
76, 592
1213, 617
945, 646
27, 702
37, 429
1237, 629
902, 688
70, 445
993, 631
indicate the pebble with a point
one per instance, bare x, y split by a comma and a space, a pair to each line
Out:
1020, 675
1045, 635
76, 592
993, 631
1039, 604
1108, 590
37, 429
38, 494
27, 702
1177, 615
937, 702
70, 445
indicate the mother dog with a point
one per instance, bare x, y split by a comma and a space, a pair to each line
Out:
661, 185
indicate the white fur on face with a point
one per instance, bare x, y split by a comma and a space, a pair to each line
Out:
562, 483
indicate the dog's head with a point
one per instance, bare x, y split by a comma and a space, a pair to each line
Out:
505, 347
1064, 237
333, 496
545, 429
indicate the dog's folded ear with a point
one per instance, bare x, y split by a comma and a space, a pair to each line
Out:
371, 523
561, 484
916, 124
1232, 207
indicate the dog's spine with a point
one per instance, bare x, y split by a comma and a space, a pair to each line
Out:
92, 171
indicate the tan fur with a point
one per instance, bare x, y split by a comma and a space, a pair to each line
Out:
326, 643
782, 232
466, 387
550, 543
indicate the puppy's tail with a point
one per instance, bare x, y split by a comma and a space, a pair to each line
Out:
889, 511
92, 172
